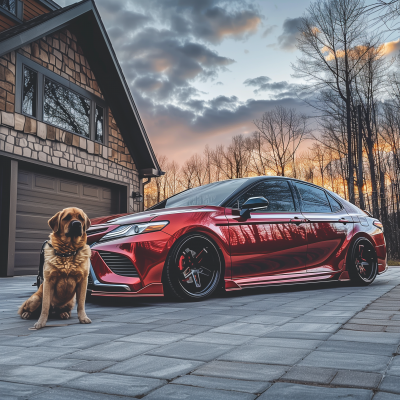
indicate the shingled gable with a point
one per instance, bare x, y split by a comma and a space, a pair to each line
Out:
84, 20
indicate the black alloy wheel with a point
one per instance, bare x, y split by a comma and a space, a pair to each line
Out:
193, 269
363, 262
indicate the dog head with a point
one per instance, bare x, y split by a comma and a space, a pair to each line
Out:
71, 222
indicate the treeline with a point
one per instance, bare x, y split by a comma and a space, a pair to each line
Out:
353, 139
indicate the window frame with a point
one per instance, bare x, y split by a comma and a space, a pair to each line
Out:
36, 90
43, 73
317, 187
294, 199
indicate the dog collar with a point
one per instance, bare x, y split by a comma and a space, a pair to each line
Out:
65, 255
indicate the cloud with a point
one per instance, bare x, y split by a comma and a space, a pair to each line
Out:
268, 30
160, 64
180, 131
260, 80
210, 20
277, 90
287, 40
166, 47
391, 47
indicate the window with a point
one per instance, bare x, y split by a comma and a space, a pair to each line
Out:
50, 98
277, 192
29, 96
313, 198
65, 109
335, 205
99, 124
8, 5
212, 194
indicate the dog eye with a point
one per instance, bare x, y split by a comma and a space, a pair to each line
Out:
67, 218
80, 217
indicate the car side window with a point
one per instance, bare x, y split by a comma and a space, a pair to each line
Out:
335, 205
277, 192
313, 199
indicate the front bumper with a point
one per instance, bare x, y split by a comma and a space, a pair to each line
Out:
144, 257
97, 288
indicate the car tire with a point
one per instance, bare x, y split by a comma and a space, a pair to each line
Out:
362, 262
193, 268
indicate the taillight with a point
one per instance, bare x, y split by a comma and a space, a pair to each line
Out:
378, 224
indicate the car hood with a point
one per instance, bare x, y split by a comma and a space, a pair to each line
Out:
147, 216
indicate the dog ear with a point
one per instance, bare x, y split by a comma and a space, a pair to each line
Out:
54, 222
87, 222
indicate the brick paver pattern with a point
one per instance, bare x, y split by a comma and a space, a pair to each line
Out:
324, 341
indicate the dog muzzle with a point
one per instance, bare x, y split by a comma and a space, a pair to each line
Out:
75, 229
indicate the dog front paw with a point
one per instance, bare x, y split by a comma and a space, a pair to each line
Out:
85, 320
39, 325
65, 315
26, 315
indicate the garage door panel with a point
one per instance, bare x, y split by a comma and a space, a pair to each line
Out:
44, 183
28, 221
26, 244
39, 197
69, 187
23, 179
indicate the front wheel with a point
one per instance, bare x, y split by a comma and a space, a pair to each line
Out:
363, 262
193, 268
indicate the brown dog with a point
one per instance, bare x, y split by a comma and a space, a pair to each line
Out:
65, 270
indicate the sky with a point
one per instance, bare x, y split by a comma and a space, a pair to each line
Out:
201, 71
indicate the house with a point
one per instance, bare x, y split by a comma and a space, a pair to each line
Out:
70, 133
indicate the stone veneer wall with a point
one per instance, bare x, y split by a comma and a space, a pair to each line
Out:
49, 147
21, 135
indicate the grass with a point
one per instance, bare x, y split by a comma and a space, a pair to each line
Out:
393, 262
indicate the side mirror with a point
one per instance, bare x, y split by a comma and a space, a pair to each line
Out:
253, 203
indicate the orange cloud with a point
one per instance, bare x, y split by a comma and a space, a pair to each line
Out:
391, 47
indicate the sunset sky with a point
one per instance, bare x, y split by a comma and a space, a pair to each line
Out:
202, 70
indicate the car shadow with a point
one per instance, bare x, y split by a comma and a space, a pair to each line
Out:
153, 301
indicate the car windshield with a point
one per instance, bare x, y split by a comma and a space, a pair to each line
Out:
212, 194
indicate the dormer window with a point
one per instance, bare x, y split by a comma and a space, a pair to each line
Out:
13, 10
9, 5
56, 101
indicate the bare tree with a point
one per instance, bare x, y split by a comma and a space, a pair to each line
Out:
332, 30
233, 161
280, 131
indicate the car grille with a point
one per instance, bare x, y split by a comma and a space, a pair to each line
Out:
95, 231
119, 264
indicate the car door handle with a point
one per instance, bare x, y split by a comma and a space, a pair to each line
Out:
344, 221
297, 220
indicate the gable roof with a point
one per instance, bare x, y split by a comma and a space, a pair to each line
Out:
84, 20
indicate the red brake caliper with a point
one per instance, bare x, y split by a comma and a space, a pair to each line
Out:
186, 265
360, 267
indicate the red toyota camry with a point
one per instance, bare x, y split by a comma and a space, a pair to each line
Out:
235, 234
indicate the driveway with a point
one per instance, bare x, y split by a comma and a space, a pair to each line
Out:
325, 341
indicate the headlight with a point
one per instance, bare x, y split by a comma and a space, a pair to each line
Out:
132, 230
378, 224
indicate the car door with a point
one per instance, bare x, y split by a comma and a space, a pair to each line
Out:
272, 241
328, 225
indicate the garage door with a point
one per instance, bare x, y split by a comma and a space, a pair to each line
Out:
39, 197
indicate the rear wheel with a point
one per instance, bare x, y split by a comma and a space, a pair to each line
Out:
363, 262
193, 269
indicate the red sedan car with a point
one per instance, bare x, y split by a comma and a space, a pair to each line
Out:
235, 234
